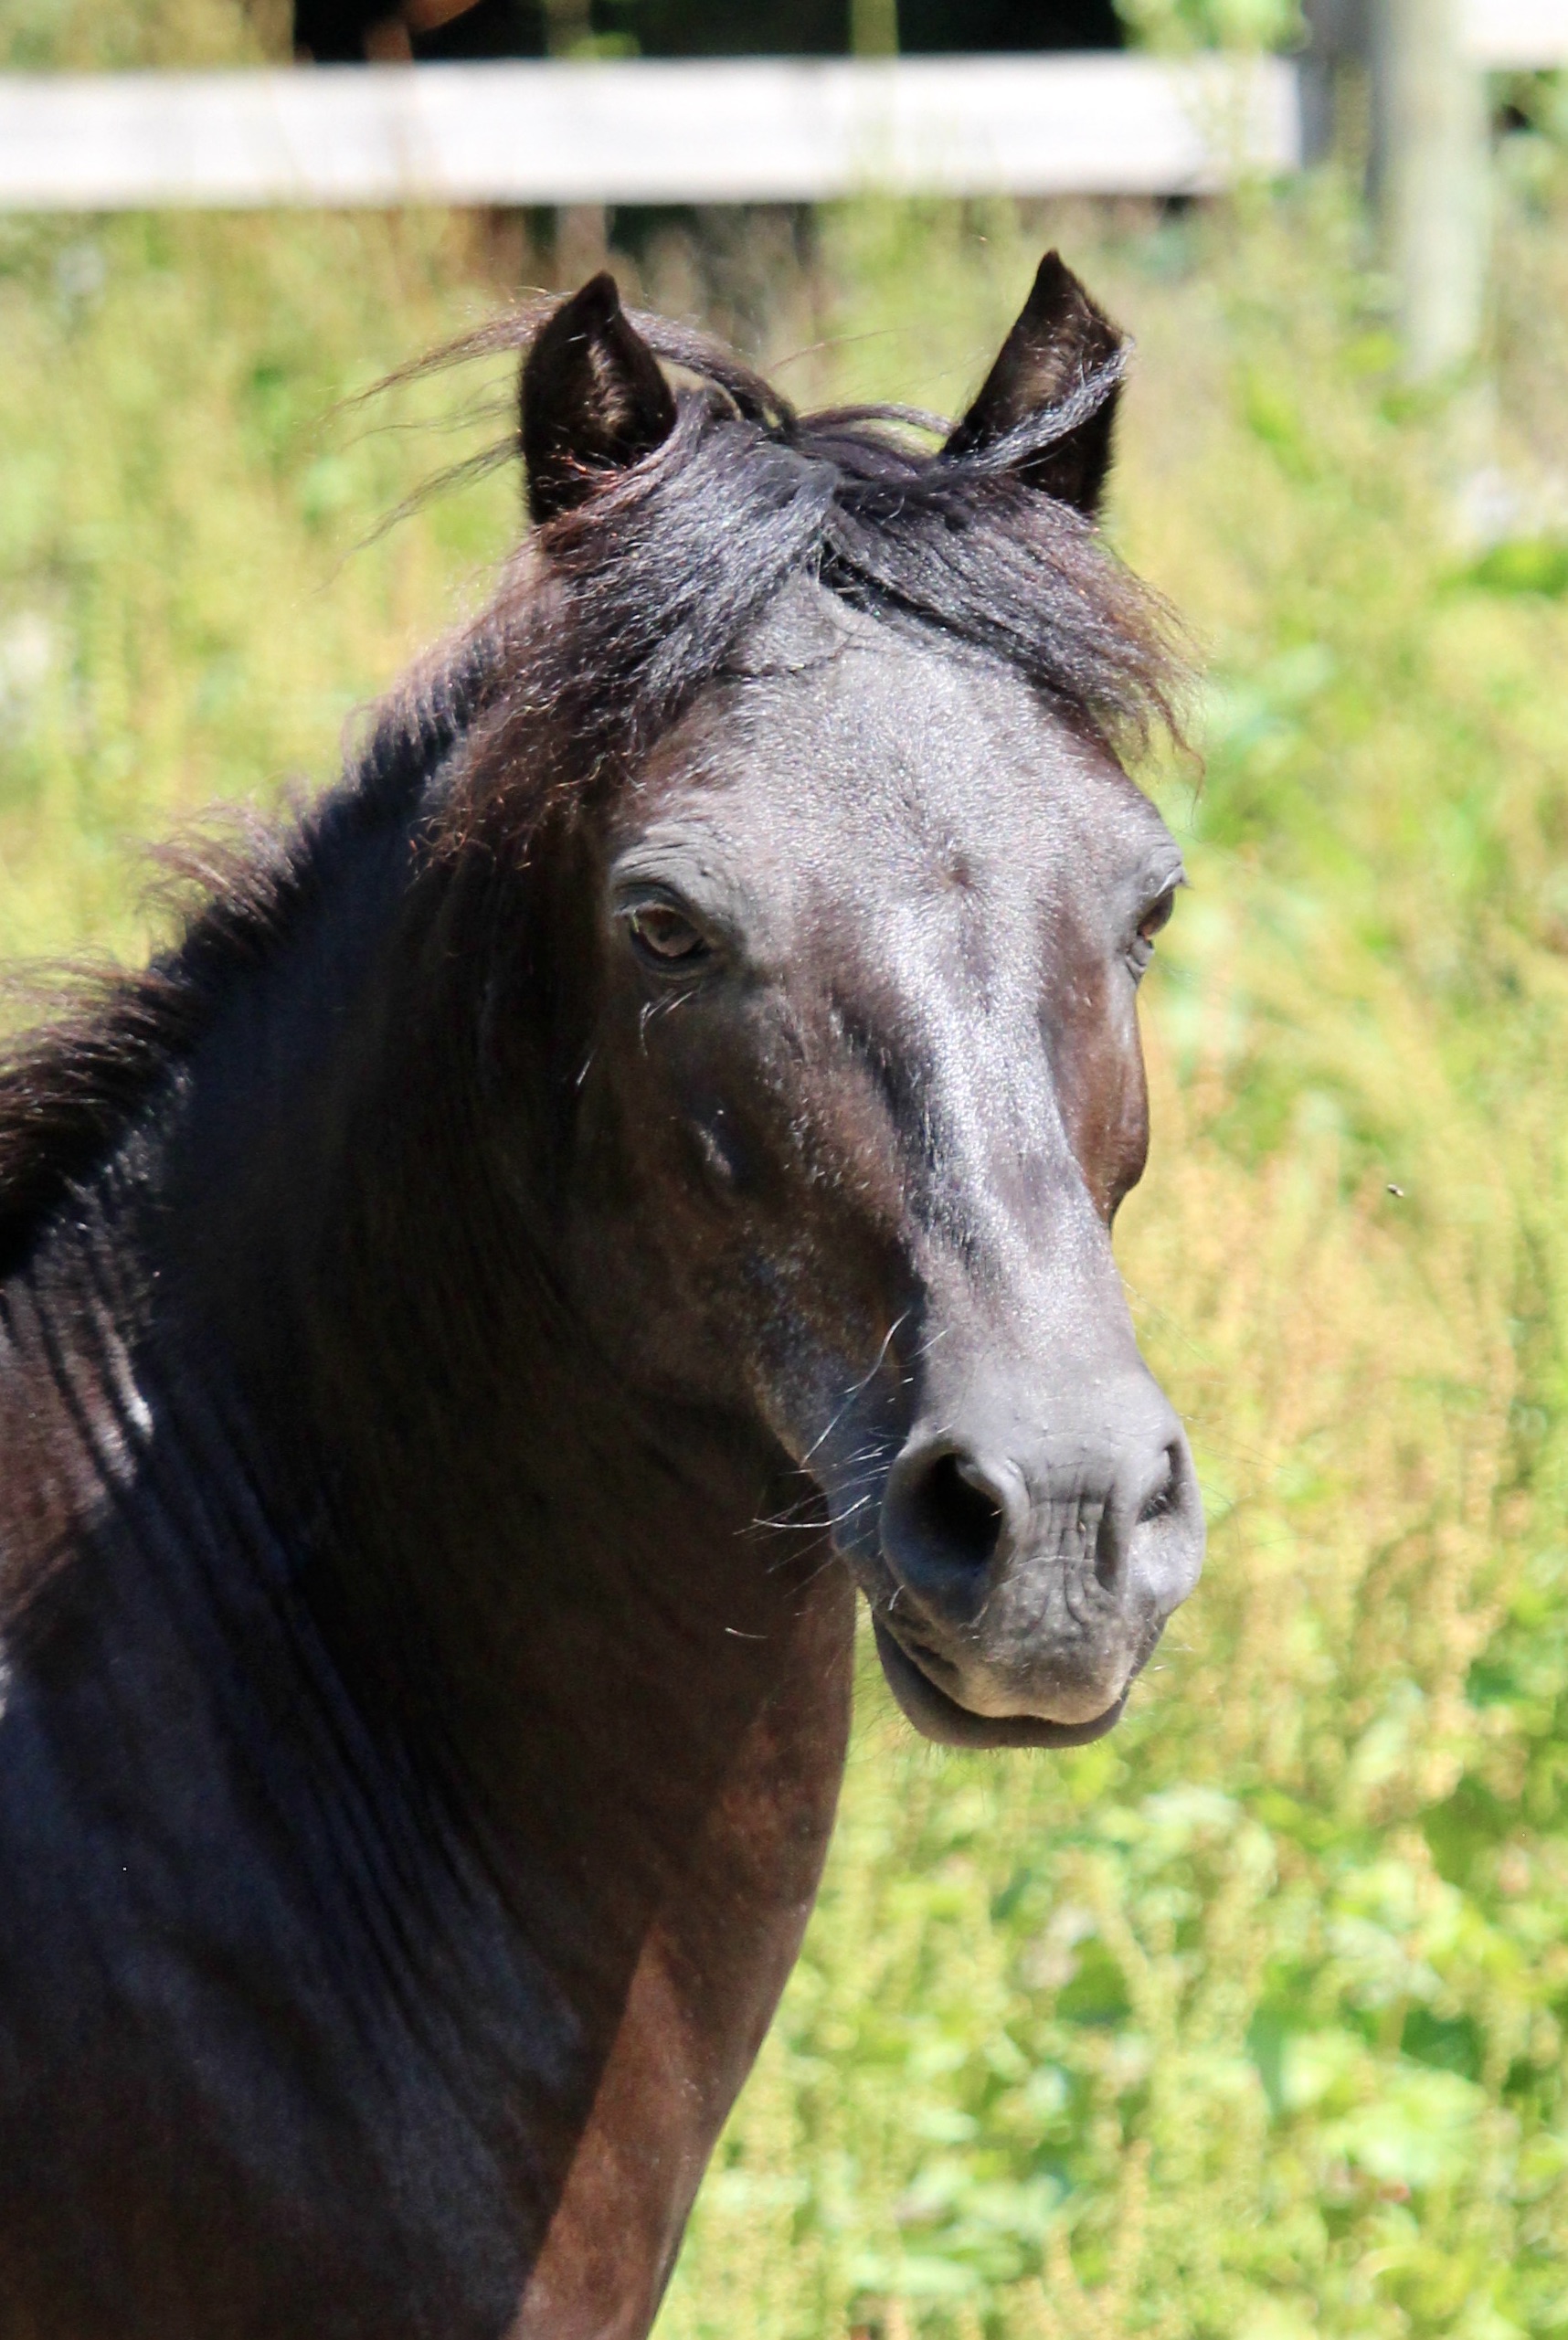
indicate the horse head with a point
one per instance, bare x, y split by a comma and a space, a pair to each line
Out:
856, 1085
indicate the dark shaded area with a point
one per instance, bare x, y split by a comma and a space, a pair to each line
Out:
728, 28
335, 31
934, 27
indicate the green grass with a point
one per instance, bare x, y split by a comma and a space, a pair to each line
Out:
1246, 2023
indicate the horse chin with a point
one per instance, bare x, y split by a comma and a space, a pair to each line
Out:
936, 1716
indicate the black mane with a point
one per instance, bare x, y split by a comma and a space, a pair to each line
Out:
73, 1085
607, 626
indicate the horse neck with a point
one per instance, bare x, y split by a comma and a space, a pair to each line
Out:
332, 1354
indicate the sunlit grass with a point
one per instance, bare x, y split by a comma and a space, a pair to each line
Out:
1245, 2023
1248, 2022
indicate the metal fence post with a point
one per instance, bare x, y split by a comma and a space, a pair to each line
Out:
582, 229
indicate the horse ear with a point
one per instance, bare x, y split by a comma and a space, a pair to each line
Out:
594, 400
1063, 350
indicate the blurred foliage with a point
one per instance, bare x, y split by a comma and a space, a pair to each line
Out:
1246, 2023
1176, 24
118, 35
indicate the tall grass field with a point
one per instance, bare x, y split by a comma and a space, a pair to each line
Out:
1246, 2023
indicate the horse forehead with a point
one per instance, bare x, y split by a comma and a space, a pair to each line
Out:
864, 787
905, 737
871, 754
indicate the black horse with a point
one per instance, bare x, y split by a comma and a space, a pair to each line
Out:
633, 1163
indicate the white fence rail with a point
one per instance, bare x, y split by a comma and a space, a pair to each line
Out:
717, 130
710, 132
1524, 36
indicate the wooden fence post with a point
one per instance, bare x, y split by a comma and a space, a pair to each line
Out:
874, 27
1338, 38
582, 229
1431, 169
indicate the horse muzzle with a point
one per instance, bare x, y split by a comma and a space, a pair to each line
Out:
1026, 1581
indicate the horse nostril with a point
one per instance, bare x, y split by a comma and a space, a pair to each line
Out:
942, 1521
1161, 1497
959, 1522
961, 1515
1113, 1544
1109, 1550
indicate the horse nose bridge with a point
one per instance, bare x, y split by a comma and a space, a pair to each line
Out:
1093, 1432
1012, 1353
1009, 1237
998, 1158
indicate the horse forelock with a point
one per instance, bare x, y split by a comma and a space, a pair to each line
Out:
629, 603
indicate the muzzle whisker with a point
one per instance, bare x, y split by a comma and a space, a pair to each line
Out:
861, 1386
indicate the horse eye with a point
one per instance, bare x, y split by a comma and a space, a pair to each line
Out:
664, 936
1157, 916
